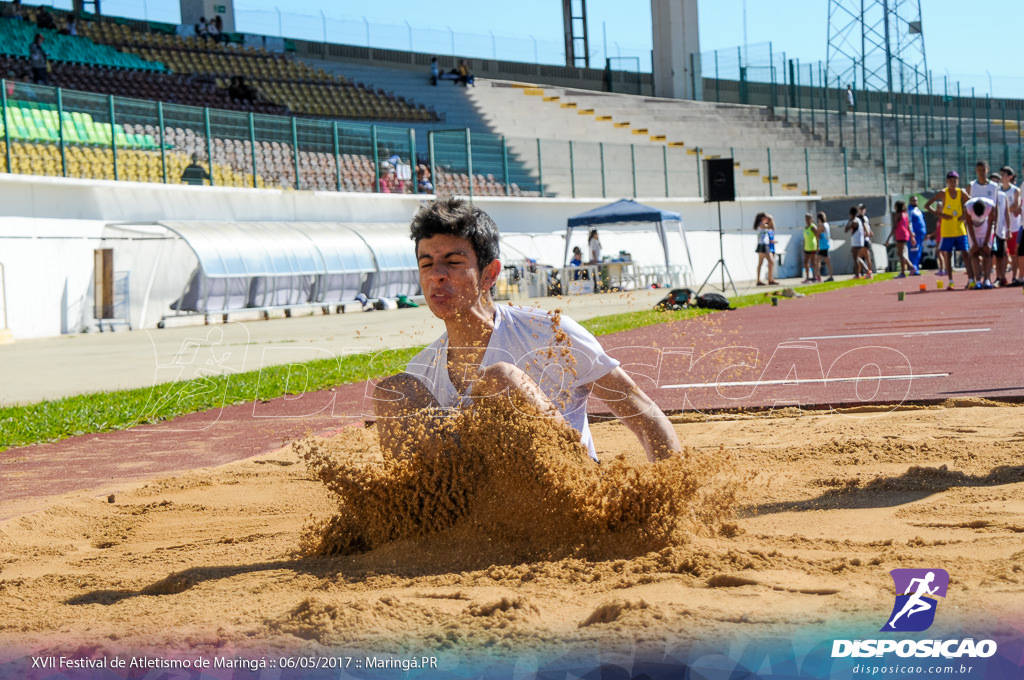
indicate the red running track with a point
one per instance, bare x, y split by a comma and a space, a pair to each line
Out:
856, 346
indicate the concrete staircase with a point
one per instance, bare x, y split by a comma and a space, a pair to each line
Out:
458, 111
652, 134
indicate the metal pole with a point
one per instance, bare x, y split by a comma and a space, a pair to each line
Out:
824, 98
7, 125
469, 161
412, 158
664, 162
700, 183
927, 172
252, 149
295, 150
718, 94
430, 160
540, 170
113, 138
840, 118
771, 73
885, 172
604, 192
632, 157
60, 129
376, 158
572, 169
504, 165
337, 159
771, 180
163, 145
807, 169
209, 142
846, 173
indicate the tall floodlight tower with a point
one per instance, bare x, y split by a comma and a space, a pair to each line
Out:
577, 45
877, 45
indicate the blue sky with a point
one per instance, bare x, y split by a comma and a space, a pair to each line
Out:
534, 27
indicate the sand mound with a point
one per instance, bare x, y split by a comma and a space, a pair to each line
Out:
523, 481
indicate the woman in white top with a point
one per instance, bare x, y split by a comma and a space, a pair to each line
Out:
858, 241
595, 247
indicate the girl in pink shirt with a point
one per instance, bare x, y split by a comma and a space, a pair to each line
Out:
901, 234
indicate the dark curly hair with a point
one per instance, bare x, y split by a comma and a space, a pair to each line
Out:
455, 217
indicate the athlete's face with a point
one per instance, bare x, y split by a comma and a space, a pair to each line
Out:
982, 172
451, 279
951, 182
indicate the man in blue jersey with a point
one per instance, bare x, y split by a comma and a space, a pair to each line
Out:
920, 231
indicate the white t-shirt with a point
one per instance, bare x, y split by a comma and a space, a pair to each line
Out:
979, 223
989, 190
857, 235
524, 337
595, 250
1007, 222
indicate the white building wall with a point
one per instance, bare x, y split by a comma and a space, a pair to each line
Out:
49, 228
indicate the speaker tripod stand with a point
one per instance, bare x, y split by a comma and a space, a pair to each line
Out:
721, 259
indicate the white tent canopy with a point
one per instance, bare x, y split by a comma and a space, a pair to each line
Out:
626, 214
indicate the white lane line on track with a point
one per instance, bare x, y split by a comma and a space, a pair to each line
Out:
906, 334
808, 381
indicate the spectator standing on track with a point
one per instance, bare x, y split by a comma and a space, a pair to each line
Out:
952, 228
810, 249
920, 231
38, 61
764, 225
1018, 211
869, 258
979, 211
858, 237
902, 234
824, 246
1007, 224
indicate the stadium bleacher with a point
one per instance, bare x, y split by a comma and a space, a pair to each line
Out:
280, 78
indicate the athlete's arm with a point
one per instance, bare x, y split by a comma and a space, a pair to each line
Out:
639, 413
937, 198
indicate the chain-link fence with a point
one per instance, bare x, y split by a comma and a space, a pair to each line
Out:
890, 144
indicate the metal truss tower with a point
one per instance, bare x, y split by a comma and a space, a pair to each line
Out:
577, 44
877, 45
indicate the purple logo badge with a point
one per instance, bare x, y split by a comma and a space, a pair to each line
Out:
916, 590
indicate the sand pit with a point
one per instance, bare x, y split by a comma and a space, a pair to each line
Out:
217, 561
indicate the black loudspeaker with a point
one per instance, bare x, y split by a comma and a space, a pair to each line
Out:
719, 184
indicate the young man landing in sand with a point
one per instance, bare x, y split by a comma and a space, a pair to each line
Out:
545, 364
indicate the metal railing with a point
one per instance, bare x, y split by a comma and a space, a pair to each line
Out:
66, 133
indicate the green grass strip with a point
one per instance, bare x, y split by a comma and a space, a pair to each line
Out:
106, 411
121, 409
603, 325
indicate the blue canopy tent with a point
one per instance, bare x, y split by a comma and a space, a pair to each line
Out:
627, 213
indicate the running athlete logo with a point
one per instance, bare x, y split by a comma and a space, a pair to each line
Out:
915, 606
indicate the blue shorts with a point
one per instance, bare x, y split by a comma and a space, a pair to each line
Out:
951, 243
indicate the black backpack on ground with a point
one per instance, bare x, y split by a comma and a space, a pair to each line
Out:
678, 298
713, 301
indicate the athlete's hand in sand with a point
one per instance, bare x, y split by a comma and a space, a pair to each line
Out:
639, 413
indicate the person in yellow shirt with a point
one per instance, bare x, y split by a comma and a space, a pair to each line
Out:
810, 249
948, 205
